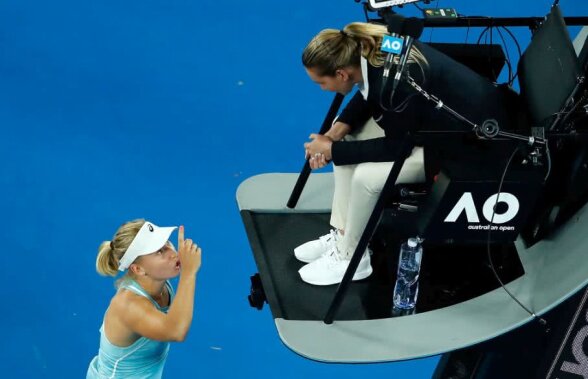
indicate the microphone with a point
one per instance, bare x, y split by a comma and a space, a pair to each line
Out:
412, 29
394, 23
393, 45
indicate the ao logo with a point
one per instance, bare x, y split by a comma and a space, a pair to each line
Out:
392, 45
466, 203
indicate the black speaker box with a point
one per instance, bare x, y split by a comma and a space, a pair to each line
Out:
487, 60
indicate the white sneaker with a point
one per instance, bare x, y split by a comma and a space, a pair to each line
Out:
313, 250
330, 268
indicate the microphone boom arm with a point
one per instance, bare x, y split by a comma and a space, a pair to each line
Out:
489, 129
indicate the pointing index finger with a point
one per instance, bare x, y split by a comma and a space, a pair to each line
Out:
181, 236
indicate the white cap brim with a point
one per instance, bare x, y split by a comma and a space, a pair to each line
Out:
149, 239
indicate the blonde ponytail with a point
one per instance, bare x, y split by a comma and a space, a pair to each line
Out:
333, 49
106, 262
370, 37
110, 252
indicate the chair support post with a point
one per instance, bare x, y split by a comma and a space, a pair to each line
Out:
405, 150
305, 172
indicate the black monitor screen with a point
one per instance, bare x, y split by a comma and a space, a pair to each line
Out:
548, 70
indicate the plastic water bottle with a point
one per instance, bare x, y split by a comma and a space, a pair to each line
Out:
407, 282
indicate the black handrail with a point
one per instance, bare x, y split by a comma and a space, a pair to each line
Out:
303, 177
472, 22
405, 151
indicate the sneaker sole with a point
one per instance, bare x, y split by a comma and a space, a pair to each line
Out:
305, 260
358, 276
312, 260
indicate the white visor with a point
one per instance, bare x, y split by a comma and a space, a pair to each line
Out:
149, 239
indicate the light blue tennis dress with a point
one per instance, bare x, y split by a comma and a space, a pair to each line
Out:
144, 359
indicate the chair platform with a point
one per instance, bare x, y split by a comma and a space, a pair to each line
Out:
364, 331
448, 275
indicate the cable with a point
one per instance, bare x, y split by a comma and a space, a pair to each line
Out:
518, 49
490, 30
482, 34
469, 19
540, 319
489, 48
508, 61
402, 106
548, 155
467, 31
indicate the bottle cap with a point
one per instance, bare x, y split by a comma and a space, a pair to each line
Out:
412, 242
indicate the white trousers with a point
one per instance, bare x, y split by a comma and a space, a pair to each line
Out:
358, 187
